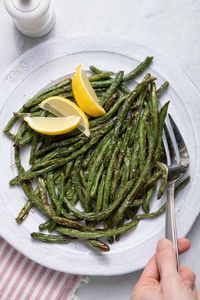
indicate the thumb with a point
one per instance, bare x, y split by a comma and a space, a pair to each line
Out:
166, 259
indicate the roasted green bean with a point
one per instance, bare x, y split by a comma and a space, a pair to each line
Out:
93, 187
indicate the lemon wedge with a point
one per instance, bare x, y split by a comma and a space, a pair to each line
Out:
84, 94
63, 107
53, 126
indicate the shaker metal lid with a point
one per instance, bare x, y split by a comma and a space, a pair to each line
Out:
25, 9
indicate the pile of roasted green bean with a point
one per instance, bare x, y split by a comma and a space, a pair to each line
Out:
110, 174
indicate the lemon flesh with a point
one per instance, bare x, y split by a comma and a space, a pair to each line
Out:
61, 106
53, 126
84, 94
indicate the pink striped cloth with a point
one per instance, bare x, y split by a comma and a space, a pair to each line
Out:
23, 279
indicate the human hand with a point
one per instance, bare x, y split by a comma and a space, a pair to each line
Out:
160, 279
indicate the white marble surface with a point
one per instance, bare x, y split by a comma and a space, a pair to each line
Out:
170, 27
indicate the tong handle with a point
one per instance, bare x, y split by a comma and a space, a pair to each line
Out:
171, 232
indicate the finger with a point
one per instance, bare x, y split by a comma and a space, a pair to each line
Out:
150, 271
188, 276
183, 245
166, 259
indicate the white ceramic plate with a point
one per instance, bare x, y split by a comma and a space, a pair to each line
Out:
49, 61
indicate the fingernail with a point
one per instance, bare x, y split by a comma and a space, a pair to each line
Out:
163, 244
